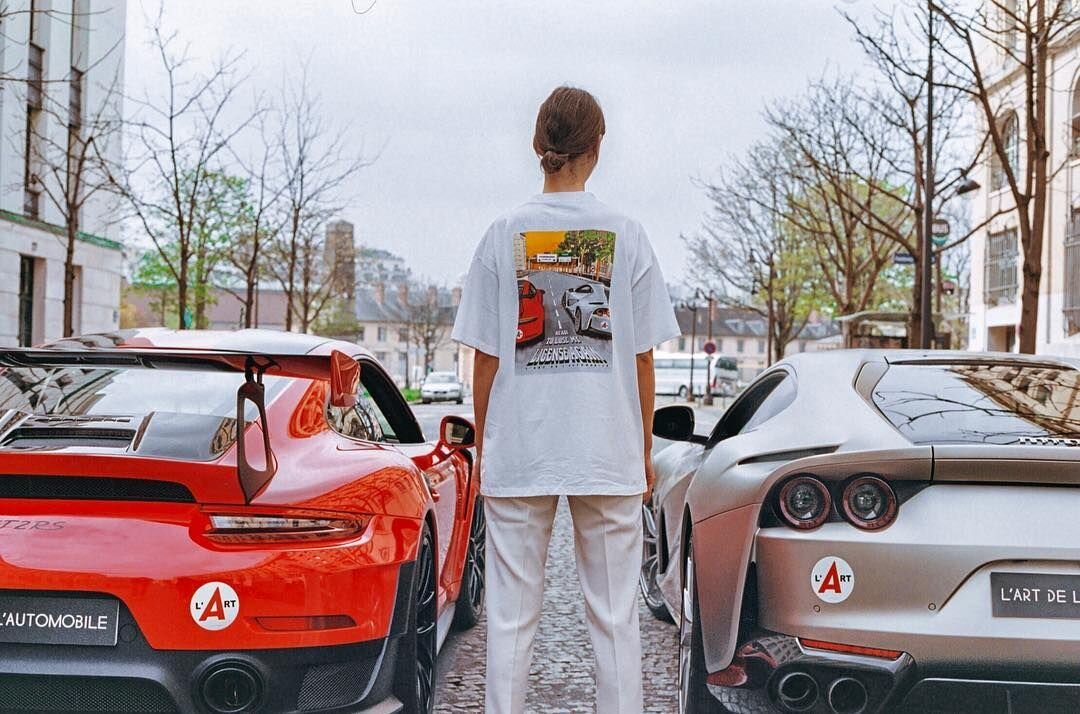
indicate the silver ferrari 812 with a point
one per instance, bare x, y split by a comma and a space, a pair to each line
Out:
870, 531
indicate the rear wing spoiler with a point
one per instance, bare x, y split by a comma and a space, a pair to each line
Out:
338, 368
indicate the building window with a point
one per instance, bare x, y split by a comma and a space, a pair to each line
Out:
1076, 120
34, 102
75, 100
1008, 12
682, 344
761, 347
1001, 261
360, 333
1010, 139
381, 334
26, 300
35, 76
1072, 275
380, 357
740, 346
403, 335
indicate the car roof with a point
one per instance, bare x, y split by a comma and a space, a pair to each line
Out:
852, 359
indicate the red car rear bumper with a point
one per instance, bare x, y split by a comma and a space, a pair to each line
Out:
133, 676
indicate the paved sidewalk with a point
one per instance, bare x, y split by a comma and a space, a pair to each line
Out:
561, 681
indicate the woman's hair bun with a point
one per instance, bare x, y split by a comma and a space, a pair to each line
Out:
568, 125
552, 161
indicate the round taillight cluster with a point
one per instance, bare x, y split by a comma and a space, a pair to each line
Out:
805, 502
869, 502
866, 501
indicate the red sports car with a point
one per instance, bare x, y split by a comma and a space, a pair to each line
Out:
226, 522
530, 313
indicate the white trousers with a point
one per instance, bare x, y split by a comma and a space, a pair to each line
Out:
607, 547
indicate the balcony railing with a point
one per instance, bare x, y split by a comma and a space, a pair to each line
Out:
1001, 273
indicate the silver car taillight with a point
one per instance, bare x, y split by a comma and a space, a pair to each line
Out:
805, 502
869, 502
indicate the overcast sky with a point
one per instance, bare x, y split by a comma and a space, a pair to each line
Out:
448, 91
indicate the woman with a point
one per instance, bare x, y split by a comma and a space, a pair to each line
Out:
564, 302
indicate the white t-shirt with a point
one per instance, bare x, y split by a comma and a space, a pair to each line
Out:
565, 292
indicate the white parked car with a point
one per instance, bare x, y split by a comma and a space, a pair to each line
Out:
673, 374
442, 387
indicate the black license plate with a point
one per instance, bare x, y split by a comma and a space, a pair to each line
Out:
1035, 595
27, 619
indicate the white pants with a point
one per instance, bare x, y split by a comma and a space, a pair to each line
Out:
607, 546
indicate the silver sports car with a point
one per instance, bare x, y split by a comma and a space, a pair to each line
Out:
587, 304
872, 531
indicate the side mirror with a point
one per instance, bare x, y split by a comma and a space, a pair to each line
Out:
344, 380
675, 423
457, 433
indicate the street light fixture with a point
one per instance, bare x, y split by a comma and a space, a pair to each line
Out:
693, 307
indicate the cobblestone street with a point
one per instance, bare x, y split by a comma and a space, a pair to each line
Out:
561, 680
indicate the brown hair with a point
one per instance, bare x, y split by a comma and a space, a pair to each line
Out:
569, 124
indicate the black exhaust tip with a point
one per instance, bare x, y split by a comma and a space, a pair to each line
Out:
231, 688
847, 695
797, 691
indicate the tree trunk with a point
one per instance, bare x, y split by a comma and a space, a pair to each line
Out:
69, 278
1033, 245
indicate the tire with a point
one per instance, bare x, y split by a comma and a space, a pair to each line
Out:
460, 400
683, 391
650, 566
426, 401
577, 319
414, 671
694, 697
470, 604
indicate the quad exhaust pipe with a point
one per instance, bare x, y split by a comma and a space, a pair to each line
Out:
847, 695
798, 691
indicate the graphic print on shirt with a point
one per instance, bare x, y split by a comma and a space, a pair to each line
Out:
564, 292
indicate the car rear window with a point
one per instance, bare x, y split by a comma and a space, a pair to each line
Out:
114, 392
980, 403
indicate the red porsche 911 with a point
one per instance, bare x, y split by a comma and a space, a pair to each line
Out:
223, 523
530, 313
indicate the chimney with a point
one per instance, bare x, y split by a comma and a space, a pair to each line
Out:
380, 293
455, 297
432, 295
403, 293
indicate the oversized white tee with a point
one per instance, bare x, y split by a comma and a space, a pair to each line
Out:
566, 293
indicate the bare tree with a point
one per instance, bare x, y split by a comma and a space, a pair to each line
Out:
428, 324
68, 166
891, 43
261, 218
749, 254
177, 136
316, 161
1019, 34
837, 190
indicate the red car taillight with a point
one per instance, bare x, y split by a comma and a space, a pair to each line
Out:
805, 502
869, 502
266, 529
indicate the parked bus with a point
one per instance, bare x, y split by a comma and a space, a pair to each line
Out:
673, 374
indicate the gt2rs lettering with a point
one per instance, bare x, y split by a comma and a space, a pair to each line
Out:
21, 525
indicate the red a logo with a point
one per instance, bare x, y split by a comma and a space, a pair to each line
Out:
831, 583
216, 608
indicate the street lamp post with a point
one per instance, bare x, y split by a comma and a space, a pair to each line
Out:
707, 400
692, 306
926, 315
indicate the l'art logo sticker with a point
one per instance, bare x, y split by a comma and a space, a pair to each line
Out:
214, 606
564, 300
832, 579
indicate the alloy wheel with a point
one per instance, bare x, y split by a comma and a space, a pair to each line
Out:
426, 629
686, 630
476, 558
650, 561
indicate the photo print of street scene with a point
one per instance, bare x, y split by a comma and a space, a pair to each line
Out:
564, 288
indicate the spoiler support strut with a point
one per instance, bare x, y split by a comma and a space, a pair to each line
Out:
252, 479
